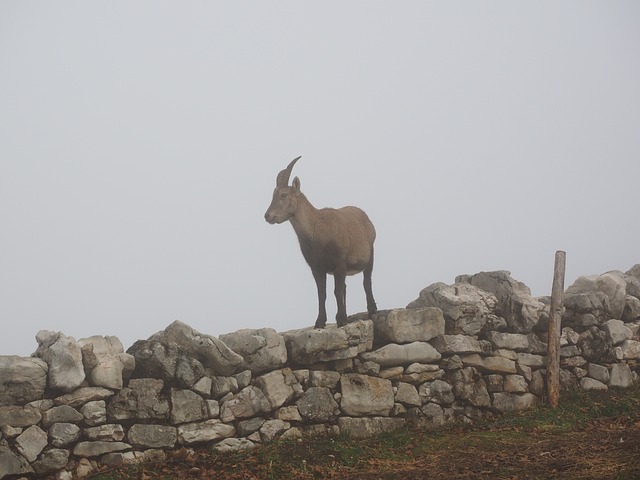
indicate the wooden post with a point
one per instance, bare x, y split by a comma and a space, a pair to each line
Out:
555, 319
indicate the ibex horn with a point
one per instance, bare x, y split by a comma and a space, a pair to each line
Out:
283, 176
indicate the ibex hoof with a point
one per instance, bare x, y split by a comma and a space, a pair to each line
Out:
320, 324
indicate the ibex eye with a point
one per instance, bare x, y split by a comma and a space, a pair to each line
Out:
283, 195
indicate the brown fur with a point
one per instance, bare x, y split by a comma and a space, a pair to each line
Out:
333, 241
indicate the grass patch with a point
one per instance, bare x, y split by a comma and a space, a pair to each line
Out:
589, 436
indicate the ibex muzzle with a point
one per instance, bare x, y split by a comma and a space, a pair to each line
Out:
335, 241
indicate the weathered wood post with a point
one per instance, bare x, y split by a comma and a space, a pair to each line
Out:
555, 319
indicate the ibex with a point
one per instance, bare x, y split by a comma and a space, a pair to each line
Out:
335, 241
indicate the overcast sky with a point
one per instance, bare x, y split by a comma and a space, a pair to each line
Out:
140, 141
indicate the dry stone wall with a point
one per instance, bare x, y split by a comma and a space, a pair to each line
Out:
457, 353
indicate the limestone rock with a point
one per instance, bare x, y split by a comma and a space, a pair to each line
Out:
365, 396
262, 350
187, 406
63, 434
611, 284
152, 436
64, 357
620, 376
289, 414
16, 416
22, 379
465, 307
361, 428
598, 372
490, 364
587, 383
468, 385
31, 442
12, 464
631, 307
51, 461
407, 395
327, 379
141, 400
62, 413
209, 351
311, 345
437, 391
279, 387
271, 429
106, 433
630, 349
404, 325
530, 360
95, 449
509, 341
221, 386
456, 344
506, 402
515, 384
392, 355
105, 362
166, 360
586, 309
317, 405
249, 426
249, 402
514, 301
233, 445
84, 395
595, 346
617, 332
207, 431
95, 413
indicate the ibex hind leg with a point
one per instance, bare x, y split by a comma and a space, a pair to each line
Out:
371, 303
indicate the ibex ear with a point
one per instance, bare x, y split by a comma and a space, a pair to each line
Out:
296, 184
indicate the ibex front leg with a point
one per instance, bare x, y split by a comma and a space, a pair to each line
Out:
321, 284
340, 291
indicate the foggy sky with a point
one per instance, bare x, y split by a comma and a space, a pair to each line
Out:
140, 141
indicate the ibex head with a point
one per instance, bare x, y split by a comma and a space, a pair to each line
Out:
285, 198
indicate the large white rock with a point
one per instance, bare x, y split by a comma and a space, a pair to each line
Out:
311, 345
12, 464
509, 341
317, 405
31, 442
621, 376
22, 379
405, 325
492, 364
214, 354
393, 355
207, 431
279, 387
105, 362
612, 284
617, 332
249, 402
456, 344
465, 307
363, 395
64, 357
262, 350
515, 303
